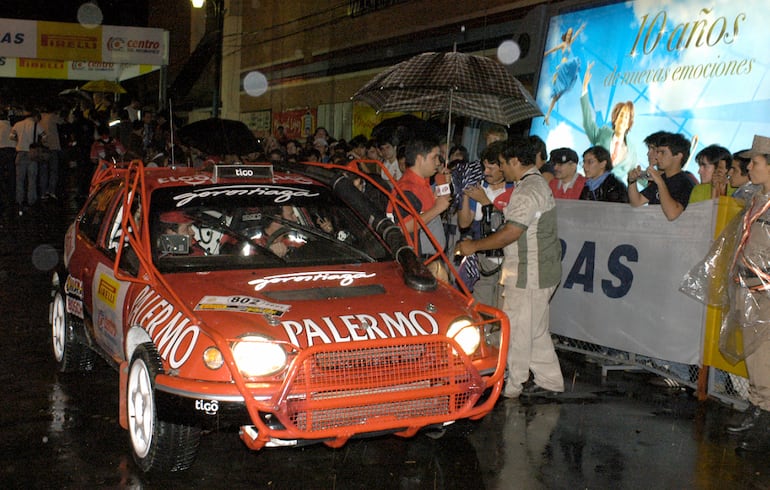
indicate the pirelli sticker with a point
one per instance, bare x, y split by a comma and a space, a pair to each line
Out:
243, 304
107, 290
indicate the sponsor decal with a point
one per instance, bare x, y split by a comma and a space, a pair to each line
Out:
107, 290
69, 41
245, 304
75, 307
209, 407
345, 278
11, 37
292, 178
189, 179
74, 287
358, 327
280, 194
106, 324
32, 63
170, 330
133, 45
92, 66
116, 44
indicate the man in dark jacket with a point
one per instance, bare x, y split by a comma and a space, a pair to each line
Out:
601, 184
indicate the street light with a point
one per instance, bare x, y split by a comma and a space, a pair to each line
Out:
218, 7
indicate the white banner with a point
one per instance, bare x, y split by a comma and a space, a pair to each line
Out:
18, 38
622, 267
58, 50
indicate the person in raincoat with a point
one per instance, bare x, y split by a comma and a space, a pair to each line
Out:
749, 293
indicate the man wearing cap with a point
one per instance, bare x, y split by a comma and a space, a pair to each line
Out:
738, 175
750, 301
567, 182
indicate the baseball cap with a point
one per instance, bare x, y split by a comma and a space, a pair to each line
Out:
760, 146
563, 155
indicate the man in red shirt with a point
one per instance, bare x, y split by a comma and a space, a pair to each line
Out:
567, 182
422, 162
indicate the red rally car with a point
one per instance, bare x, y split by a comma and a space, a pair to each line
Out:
281, 303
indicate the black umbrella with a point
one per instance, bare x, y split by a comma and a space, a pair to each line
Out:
215, 136
455, 83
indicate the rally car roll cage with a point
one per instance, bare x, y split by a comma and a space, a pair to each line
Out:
135, 230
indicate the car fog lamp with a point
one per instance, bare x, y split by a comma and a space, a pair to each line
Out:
212, 358
258, 356
466, 334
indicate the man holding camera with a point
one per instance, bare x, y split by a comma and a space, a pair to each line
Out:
481, 212
531, 272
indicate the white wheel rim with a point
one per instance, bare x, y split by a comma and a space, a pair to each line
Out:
58, 327
140, 408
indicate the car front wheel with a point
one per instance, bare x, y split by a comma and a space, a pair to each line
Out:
70, 354
157, 445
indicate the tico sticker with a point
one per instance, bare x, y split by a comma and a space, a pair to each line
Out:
245, 304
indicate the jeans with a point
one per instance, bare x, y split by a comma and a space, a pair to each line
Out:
26, 170
49, 173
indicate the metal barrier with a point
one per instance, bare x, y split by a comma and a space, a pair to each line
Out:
728, 388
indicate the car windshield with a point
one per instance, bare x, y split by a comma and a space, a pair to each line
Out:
222, 227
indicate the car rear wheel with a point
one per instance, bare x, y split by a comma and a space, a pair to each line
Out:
157, 445
70, 354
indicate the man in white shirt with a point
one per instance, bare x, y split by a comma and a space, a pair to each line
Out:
25, 133
7, 158
390, 160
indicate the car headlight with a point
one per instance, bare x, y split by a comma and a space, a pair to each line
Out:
466, 334
256, 355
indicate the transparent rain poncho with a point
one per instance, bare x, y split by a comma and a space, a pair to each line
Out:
735, 276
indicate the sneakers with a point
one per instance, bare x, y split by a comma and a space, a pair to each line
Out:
750, 418
532, 389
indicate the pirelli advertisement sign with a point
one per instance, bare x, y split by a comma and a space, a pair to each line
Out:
36, 49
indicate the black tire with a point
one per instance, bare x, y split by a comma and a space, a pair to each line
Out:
156, 445
70, 354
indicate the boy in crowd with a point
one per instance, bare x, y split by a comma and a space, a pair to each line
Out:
669, 186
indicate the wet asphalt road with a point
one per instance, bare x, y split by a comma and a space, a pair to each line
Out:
61, 431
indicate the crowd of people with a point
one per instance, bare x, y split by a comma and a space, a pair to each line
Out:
496, 214
502, 215
43, 145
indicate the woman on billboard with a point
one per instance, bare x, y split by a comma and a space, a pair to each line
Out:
566, 73
615, 137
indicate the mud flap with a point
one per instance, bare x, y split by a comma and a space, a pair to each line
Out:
122, 389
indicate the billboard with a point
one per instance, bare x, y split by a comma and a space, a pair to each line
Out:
685, 66
58, 50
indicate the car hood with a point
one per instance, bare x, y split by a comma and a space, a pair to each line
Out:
310, 306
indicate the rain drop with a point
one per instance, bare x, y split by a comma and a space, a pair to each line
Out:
255, 83
508, 52
90, 15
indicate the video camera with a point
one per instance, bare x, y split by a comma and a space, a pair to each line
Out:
491, 221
